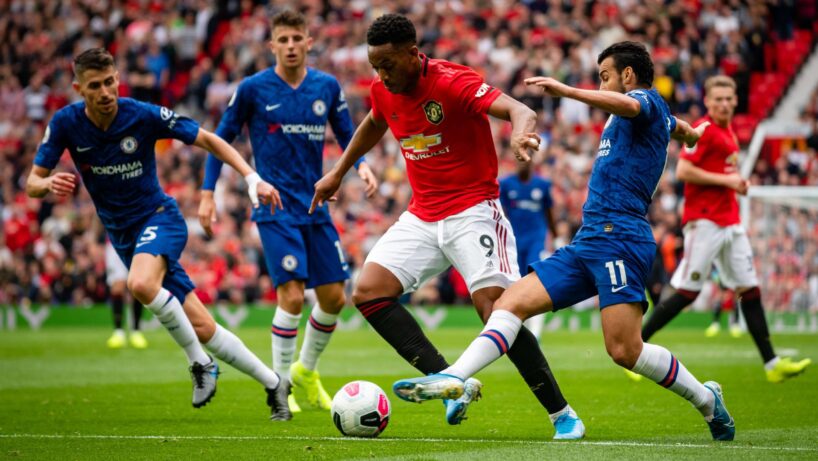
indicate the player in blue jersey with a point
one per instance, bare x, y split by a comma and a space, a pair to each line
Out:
111, 141
526, 199
286, 109
613, 250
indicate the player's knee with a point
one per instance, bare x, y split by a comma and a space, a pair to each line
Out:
143, 288
623, 354
291, 297
333, 304
363, 293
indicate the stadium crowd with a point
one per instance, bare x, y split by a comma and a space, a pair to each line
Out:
190, 54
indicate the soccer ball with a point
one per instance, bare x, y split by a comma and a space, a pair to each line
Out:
360, 409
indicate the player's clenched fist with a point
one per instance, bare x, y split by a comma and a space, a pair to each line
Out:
62, 184
522, 142
325, 190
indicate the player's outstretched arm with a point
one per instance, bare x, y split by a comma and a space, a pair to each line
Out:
686, 133
523, 125
256, 187
40, 182
368, 133
609, 101
688, 172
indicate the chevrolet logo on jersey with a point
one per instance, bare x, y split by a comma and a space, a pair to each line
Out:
420, 143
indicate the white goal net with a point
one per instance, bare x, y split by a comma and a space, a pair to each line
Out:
782, 223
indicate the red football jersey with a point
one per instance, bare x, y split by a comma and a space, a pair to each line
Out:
444, 135
717, 152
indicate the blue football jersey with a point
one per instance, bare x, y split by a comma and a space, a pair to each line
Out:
287, 128
525, 204
118, 166
629, 163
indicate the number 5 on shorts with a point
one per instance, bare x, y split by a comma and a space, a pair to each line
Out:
148, 235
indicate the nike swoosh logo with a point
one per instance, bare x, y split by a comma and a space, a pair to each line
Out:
141, 243
273, 107
614, 290
83, 149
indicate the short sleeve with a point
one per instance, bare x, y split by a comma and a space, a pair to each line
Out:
472, 93
53, 144
170, 125
646, 109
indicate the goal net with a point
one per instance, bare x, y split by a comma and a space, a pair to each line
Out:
782, 223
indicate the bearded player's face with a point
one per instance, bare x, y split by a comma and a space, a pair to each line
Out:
397, 66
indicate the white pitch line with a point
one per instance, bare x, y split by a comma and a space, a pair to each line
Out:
402, 439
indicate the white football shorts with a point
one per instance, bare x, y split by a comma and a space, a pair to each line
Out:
707, 244
478, 242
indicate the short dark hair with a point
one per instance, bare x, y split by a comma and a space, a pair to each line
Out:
94, 58
391, 28
289, 18
633, 55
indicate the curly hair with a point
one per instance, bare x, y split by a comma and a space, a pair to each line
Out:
94, 58
633, 55
391, 28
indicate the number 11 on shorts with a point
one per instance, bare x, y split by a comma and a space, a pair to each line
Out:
612, 272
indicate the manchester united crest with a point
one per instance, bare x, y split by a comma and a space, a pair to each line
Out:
434, 112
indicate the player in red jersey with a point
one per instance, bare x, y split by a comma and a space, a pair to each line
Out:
437, 111
713, 230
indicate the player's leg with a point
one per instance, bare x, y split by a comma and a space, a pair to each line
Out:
117, 294
317, 334
145, 279
328, 270
136, 338
737, 269
703, 240
116, 275
227, 347
527, 356
620, 270
286, 259
404, 256
715, 326
623, 341
526, 254
522, 299
730, 303
481, 246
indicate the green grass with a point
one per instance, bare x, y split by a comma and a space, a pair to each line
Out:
63, 395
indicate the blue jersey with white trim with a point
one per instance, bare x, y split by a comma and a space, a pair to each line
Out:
629, 163
286, 127
118, 165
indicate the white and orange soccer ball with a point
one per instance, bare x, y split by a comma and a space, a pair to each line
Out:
360, 409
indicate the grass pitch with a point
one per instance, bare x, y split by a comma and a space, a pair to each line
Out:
63, 395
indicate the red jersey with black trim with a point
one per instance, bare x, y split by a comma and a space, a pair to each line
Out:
444, 136
717, 152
